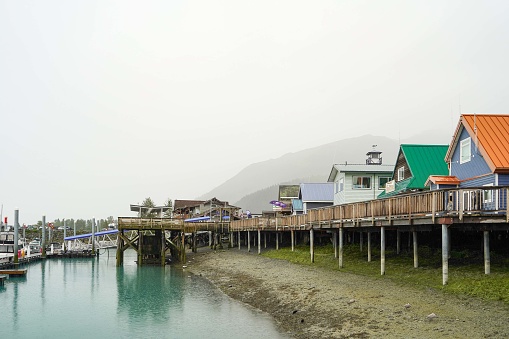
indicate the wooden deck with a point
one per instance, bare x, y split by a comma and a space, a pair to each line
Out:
14, 272
169, 224
482, 209
152, 238
417, 210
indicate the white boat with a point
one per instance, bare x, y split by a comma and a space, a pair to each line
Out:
7, 247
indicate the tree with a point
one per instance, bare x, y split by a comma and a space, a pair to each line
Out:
149, 204
168, 213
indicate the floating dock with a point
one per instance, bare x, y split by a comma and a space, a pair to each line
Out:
14, 272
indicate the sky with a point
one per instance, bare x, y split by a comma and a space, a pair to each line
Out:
106, 103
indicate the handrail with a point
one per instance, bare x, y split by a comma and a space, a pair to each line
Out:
458, 202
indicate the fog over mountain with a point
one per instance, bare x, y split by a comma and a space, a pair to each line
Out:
257, 184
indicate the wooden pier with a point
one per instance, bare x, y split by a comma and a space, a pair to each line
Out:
482, 209
153, 238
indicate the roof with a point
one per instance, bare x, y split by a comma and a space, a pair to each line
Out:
443, 180
88, 235
317, 191
138, 208
186, 203
423, 161
399, 187
491, 135
344, 168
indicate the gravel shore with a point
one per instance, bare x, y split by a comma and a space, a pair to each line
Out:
311, 302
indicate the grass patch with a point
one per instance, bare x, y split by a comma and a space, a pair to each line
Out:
466, 269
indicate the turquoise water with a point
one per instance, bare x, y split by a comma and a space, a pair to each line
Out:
91, 298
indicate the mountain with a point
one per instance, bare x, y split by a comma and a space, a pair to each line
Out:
257, 184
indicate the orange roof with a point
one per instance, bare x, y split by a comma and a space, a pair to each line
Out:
492, 134
443, 180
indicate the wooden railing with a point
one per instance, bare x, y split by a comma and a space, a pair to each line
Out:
477, 201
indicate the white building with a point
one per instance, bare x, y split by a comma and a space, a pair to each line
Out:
360, 182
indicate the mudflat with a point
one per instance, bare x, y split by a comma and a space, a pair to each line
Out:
312, 302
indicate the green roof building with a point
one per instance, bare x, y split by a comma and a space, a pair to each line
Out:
414, 165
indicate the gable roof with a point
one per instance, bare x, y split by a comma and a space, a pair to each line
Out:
352, 168
423, 161
490, 133
442, 180
317, 191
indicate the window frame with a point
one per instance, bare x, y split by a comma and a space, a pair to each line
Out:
383, 187
465, 144
356, 186
401, 173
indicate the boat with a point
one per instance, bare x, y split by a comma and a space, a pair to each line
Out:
7, 247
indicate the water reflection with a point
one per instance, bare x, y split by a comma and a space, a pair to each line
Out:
90, 297
147, 292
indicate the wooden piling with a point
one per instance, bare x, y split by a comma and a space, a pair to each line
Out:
340, 252
369, 246
487, 265
163, 248
398, 241
312, 245
140, 248
445, 255
382, 250
416, 252
259, 242
335, 243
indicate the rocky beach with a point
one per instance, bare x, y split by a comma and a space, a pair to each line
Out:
312, 302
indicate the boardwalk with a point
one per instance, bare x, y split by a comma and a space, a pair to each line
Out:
482, 209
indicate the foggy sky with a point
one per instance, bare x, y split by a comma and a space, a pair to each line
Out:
105, 103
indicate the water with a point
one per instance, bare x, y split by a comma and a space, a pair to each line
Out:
91, 298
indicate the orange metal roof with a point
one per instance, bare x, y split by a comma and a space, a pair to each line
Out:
492, 134
443, 180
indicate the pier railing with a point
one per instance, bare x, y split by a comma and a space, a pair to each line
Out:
170, 224
476, 202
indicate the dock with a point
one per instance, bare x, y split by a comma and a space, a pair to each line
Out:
14, 272
2, 279
8, 262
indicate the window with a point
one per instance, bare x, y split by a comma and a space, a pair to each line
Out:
401, 173
465, 150
361, 183
488, 195
382, 181
341, 184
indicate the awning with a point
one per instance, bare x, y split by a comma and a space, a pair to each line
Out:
88, 235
